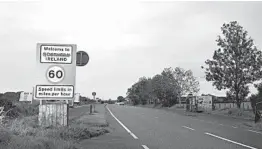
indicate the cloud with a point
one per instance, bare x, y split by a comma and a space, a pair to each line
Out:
124, 39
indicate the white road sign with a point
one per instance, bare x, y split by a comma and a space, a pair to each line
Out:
56, 54
77, 97
55, 74
53, 91
55, 71
26, 96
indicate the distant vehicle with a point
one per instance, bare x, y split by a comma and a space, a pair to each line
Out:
120, 103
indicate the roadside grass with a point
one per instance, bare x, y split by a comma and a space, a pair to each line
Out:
253, 125
235, 112
25, 133
22, 109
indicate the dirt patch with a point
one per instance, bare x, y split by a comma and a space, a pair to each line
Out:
253, 125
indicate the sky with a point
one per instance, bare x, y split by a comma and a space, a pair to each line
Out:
125, 40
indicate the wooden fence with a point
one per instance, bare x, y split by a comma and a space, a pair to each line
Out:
244, 105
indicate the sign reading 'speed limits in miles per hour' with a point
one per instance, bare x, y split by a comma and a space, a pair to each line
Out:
56, 71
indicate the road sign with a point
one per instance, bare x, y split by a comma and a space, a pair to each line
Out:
56, 71
25, 96
55, 74
82, 58
94, 93
59, 54
77, 96
54, 91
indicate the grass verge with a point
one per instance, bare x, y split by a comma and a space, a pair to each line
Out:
24, 133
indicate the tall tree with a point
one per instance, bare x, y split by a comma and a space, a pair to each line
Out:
120, 99
187, 83
140, 92
165, 87
236, 63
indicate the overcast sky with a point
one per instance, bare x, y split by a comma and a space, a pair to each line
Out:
124, 39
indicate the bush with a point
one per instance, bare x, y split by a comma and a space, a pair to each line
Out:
21, 109
7, 104
5, 136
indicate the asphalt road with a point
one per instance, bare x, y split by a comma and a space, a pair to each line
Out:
118, 138
160, 129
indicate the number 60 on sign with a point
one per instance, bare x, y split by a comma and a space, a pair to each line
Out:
55, 74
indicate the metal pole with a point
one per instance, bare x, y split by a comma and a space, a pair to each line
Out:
94, 103
81, 55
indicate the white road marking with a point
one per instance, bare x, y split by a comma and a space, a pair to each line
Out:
132, 134
234, 126
230, 141
254, 131
188, 127
145, 147
221, 124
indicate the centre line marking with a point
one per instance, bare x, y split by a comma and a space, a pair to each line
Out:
254, 131
132, 134
188, 127
145, 147
230, 141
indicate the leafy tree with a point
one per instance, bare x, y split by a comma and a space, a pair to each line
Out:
187, 83
120, 99
236, 63
139, 93
110, 101
165, 87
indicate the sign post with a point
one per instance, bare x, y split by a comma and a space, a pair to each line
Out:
94, 98
55, 79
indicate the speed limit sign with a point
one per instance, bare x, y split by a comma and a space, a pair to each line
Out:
55, 74
55, 71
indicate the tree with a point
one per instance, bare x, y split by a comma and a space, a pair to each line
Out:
139, 93
165, 87
187, 83
120, 99
236, 63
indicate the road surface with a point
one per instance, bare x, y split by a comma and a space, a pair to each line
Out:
160, 129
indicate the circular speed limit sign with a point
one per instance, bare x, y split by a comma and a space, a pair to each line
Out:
55, 74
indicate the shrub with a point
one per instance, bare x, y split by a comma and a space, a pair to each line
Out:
7, 104
25, 126
5, 136
22, 109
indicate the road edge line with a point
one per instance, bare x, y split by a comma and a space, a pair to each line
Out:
132, 134
254, 131
210, 134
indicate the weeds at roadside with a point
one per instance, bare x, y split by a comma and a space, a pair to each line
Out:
25, 133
